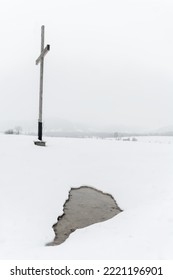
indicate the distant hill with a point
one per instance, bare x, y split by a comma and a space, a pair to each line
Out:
167, 131
67, 128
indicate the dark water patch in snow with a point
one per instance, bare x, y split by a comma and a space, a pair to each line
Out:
85, 206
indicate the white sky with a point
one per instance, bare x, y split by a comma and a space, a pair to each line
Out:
111, 61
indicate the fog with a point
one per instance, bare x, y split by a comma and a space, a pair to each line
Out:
110, 62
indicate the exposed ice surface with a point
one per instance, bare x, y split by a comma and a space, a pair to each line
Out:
85, 206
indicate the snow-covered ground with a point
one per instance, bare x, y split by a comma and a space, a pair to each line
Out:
35, 181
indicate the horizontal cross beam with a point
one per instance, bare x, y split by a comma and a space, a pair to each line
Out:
44, 52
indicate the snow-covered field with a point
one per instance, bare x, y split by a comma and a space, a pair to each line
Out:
35, 181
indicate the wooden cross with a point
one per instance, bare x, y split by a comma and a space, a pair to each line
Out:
40, 60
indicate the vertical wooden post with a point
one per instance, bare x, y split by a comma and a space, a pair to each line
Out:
40, 121
40, 60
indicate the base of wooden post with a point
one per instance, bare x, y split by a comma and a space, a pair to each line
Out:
40, 143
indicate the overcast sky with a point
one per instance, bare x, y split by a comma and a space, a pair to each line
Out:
111, 61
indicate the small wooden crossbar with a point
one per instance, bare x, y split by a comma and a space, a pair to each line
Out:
44, 52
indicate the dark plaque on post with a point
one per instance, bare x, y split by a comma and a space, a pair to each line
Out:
40, 59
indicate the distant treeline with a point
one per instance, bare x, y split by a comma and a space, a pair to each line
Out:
102, 134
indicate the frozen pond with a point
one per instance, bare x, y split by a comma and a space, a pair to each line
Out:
85, 206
